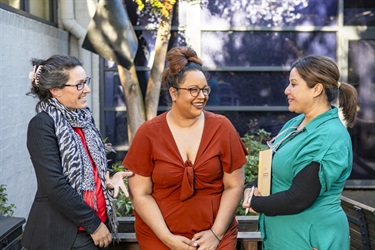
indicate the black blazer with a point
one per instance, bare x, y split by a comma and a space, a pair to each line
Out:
57, 210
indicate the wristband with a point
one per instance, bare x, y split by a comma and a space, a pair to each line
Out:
213, 232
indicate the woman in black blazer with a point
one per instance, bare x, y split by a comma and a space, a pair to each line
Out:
73, 207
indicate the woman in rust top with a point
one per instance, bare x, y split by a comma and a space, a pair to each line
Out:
188, 167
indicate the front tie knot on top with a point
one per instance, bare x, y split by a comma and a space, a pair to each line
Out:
187, 186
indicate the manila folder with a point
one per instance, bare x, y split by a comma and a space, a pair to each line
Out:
264, 172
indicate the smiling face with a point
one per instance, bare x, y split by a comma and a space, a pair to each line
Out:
300, 96
69, 96
183, 102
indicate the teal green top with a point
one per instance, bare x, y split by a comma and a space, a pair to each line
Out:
324, 224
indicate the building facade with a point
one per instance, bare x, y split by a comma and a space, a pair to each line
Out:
246, 46
33, 29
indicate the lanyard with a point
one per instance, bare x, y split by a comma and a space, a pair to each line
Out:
294, 132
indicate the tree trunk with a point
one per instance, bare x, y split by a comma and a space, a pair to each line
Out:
161, 47
133, 99
138, 111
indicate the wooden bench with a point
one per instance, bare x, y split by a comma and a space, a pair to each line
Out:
360, 216
248, 237
361, 223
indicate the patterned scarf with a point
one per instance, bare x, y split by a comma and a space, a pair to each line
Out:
75, 161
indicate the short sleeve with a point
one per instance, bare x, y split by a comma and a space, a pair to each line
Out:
139, 157
233, 149
335, 166
334, 159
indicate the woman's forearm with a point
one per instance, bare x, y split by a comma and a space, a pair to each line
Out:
233, 187
229, 202
147, 208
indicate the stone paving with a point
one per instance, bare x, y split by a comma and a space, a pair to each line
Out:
366, 197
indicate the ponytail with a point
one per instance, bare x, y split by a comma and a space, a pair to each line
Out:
348, 102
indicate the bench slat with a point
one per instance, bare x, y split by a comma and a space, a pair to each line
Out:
250, 236
361, 222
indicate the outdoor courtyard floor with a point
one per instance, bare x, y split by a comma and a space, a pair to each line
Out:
366, 197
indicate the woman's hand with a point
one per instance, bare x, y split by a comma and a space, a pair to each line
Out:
101, 237
205, 240
117, 181
246, 196
177, 242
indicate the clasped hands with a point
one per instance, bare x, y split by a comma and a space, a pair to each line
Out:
203, 240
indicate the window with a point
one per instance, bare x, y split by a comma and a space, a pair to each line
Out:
361, 72
248, 49
248, 46
358, 13
42, 10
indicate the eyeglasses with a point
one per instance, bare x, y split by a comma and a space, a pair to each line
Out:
291, 134
194, 91
80, 85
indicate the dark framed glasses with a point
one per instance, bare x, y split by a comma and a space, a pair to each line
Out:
194, 91
80, 85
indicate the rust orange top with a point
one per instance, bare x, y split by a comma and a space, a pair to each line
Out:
188, 195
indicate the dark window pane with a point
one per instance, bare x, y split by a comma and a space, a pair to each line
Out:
248, 88
146, 45
113, 90
359, 12
146, 48
116, 130
116, 157
264, 48
164, 99
15, 4
41, 9
250, 122
269, 13
362, 74
114, 95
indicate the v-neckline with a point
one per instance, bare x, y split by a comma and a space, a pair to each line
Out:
184, 162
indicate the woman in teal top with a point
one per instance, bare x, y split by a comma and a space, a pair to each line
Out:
312, 159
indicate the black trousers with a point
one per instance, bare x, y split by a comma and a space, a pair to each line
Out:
85, 242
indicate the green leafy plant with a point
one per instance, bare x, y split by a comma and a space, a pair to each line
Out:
254, 143
5, 209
